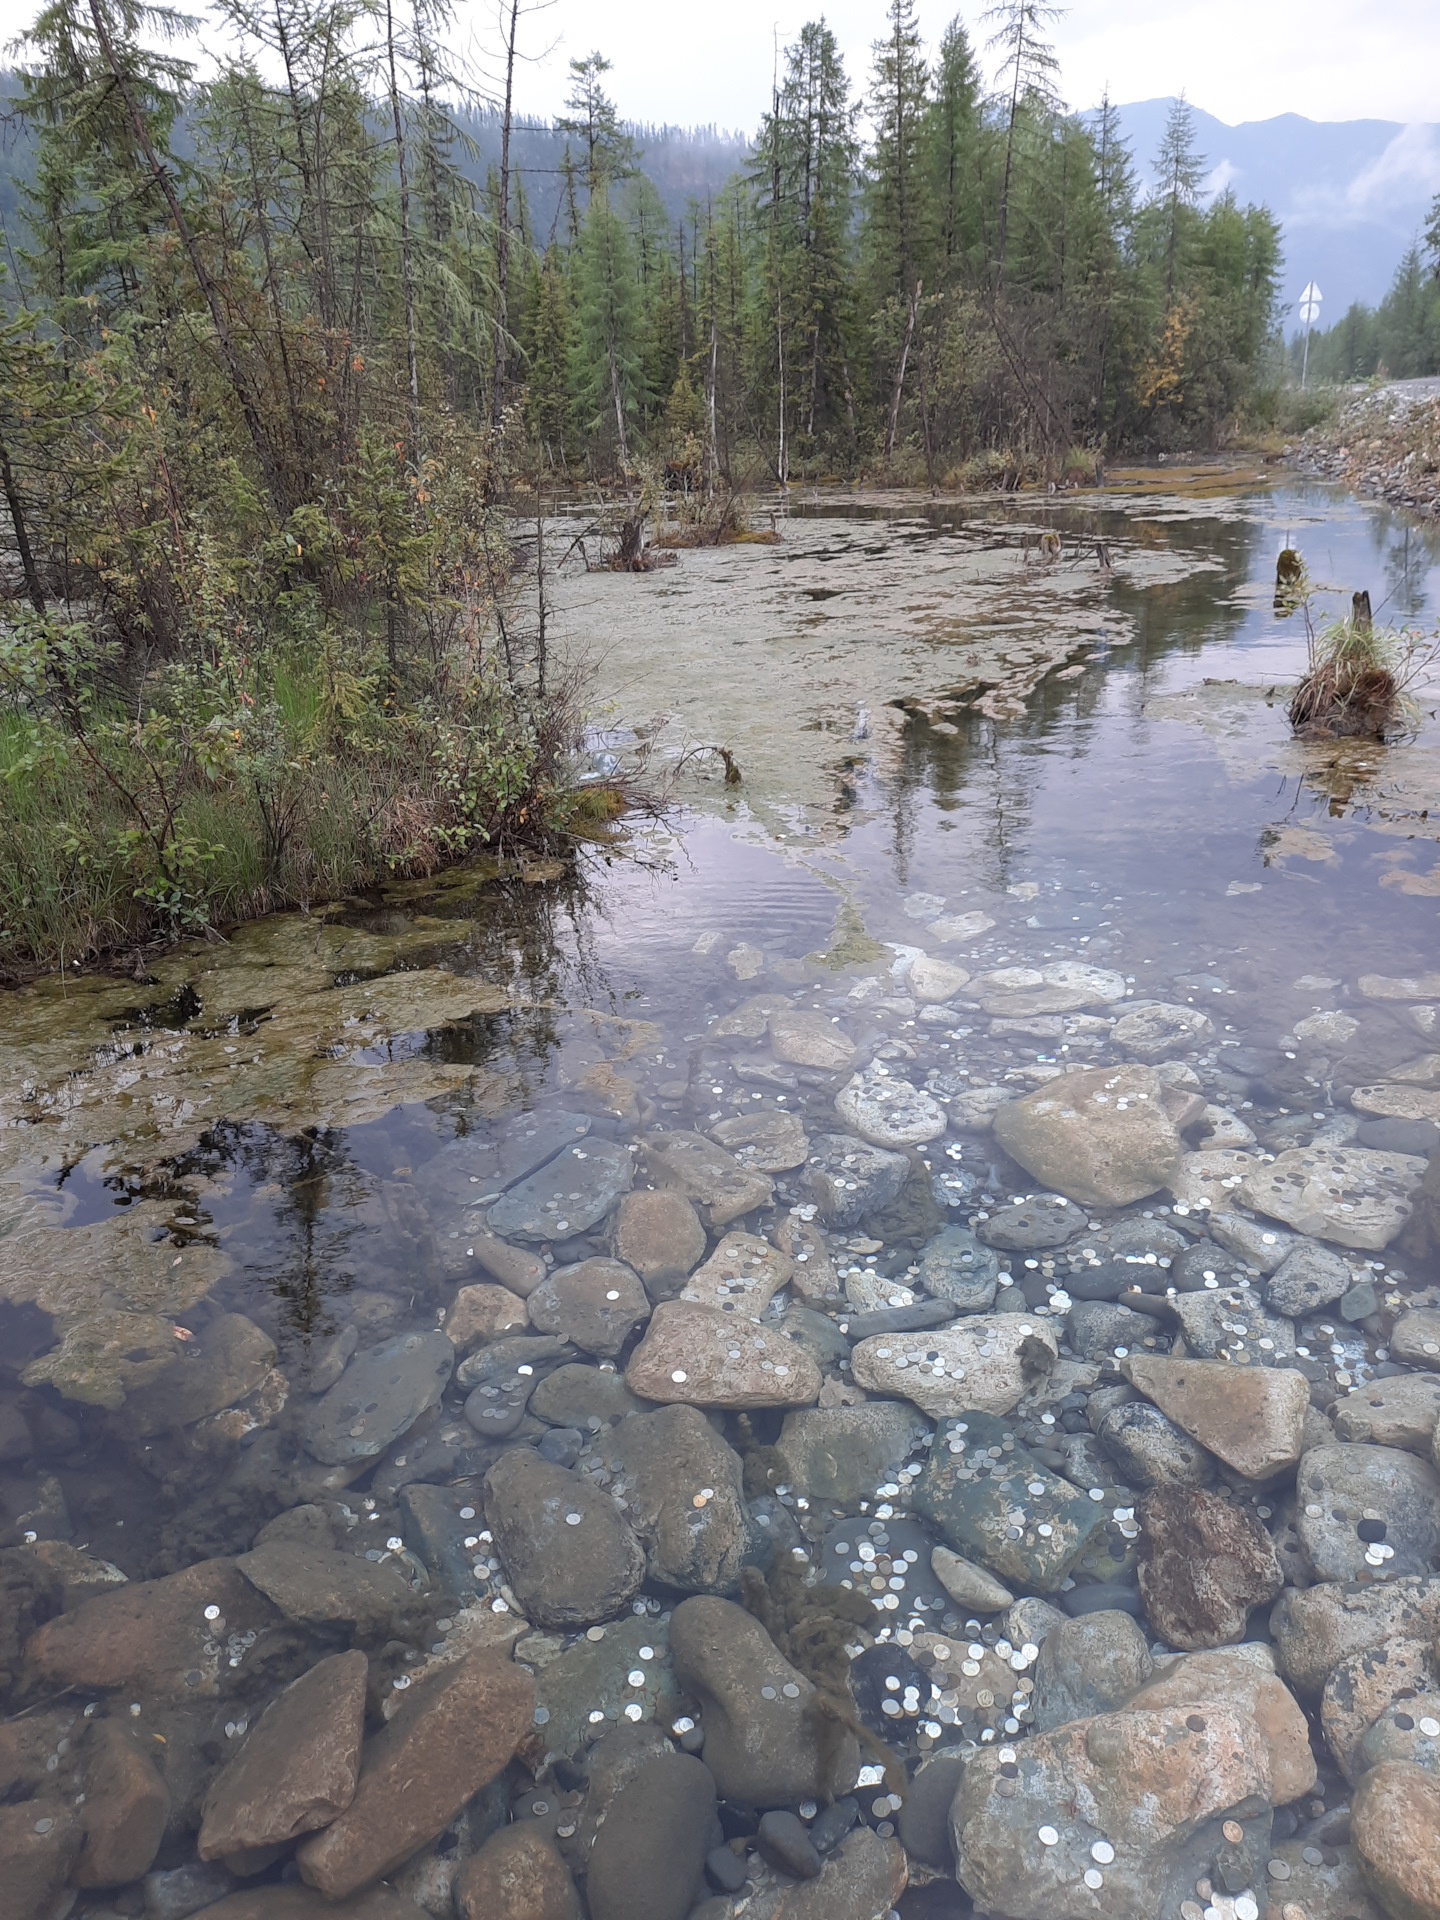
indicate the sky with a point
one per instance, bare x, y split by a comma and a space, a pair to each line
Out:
690, 62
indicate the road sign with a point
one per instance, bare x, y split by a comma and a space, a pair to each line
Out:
1310, 303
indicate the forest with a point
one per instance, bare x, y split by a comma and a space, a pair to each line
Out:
289, 364
1399, 339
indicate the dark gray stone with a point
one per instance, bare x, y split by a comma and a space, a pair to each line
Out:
924, 1313
567, 1196
784, 1841
648, 1859
380, 1395
1311, 1276
910, 1580
177, 1892
562, 1445
504, 1357
958, 1267
1136, 1236
569, 1554
1095, 1328
849, 1179
833, 1823
1087, 1666
924, 1820
726, 1868
1152, 1451
436, 1522
1188, 1270
1042, 1220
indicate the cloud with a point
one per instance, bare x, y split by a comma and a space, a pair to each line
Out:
1410, 163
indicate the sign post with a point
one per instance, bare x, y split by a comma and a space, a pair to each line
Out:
1309, 312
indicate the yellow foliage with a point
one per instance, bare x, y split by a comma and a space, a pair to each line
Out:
1160, 382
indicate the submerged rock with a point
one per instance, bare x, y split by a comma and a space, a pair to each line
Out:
451, 1737
1105, 1136
596, 1305
298, 1767
1159, 1028
1205, 1562
710, 1358
381, 1394
1251, 1418
764, 1742
1144, 1793
648, 1859
1356, 1196
657, 1233
842, 1454
887, 1111
571, 1558
983, 1362
1088, 1666
1395, 1824
850, 1179
956, 1267
804, 1039
683, 1497
568, 1195
1363, 1507
517, 1875
719, 1188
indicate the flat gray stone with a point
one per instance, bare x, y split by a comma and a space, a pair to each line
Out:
380, 1395
842, 1454
850, 1179
568, 1195
1356, 1196
955, 1266
1088, 1666
1309, 1278
1347, 1491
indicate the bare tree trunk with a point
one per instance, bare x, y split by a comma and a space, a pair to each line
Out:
712, 449
619, 409
502, 231
407, 280
240, 386
900, 373
22, 536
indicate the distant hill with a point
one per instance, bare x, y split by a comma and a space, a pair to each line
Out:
1351, 195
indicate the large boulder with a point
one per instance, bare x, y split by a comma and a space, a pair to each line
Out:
1243, 1679
1106, 1136
1205, 1562
707, 1357
1133, 1800
1356, 1196
984, 1362
1252, 1418
1395, 1825
682, 1487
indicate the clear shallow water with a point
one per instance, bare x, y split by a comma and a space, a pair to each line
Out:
229, 1138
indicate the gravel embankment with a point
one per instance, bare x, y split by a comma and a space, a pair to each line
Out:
1384, 442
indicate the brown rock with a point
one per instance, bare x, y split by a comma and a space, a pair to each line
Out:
298, 1768
1395, 1827
714, 1182
683, 1488
1415, 1340
126, 1807
866, 1875
767, 1141
658, 1233
1251, 1687
302, 1903
806, 1039
1143, 1781
1363, 1685
710, 1358
1252, 1418
514, 1267
744, 1273
1204, 1563
232, 1360
571, 1557
597, 1305
34, 1865
1076, 1136
315, 1586
451, 1738
1314, 1630
152, 1635
517, 1875
481, 1313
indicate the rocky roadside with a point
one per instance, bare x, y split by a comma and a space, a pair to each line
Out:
1383, 442
1007, 1488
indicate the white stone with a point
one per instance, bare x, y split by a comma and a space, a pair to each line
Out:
888, 1112
953, 928
1356, 1196
1417, 986
934, 981
1211, 1177
967, 1584
1326, 1029
978, 1364
1161, 1027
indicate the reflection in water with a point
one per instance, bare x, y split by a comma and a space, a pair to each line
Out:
231, 1191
